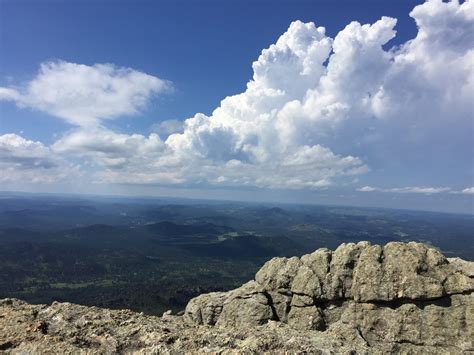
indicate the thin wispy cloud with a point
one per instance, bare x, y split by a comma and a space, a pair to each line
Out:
407, 190
417, 190
468, 191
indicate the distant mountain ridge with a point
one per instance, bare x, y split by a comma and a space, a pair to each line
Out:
119, 253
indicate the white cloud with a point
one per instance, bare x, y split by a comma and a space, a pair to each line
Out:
318, 111
139, 159
83, 95
407, 190
468, 191
7, 94
109, 149
367, 189
367, 100
420, 190
30, 161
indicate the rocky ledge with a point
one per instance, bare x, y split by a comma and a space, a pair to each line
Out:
359, 298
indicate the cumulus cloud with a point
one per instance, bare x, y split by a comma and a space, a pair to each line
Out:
83, 95
109, 149
29, 161
319, 111
347, 96
141, 159
407, 190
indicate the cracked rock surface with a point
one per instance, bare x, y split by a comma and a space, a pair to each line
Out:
359, 298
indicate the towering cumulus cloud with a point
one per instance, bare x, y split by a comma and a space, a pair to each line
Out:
319, 111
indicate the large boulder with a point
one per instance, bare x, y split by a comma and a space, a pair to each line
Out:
396, 293
206, 308
247, 305
403, 271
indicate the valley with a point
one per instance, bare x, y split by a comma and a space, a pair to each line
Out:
150, 255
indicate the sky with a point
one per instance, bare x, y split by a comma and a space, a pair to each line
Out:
364, 103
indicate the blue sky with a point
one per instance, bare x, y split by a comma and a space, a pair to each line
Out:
404, 143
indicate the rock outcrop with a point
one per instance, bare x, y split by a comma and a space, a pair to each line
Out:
359, 298
388, 295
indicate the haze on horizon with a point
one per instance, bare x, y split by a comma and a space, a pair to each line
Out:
310, 102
